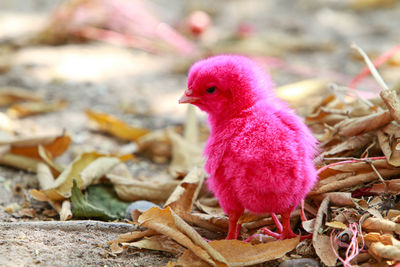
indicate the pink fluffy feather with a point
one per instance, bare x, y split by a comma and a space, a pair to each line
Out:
259, 153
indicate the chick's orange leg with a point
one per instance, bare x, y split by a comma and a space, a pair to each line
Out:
234, 227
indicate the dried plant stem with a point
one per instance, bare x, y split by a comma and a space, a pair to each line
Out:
371, 67
377, 62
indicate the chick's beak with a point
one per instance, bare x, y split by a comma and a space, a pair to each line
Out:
188, 98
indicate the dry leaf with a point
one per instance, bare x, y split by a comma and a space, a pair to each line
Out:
337, 198
6, 124
151, 189
389, 141
157, 145
296, 94
86, 168
157, 242
184, 195
116, 127
185, 154
166, 222
321, 242
239, 253
32, 108
10, 95
357, 126
392, 102
353, 181
132, 236
30, 146
210, 222
336, 225
45, 177
372, 4
211, 210
377, 237
352, 144
56, 169
188, 259
19, 162
385, 251
376, 224
65, 212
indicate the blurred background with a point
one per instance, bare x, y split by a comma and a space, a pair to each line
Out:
123, 56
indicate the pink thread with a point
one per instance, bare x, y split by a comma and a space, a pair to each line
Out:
353, 248
320, 170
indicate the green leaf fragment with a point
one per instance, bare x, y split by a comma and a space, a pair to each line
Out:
101, 202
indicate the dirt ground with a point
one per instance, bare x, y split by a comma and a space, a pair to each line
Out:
109, 79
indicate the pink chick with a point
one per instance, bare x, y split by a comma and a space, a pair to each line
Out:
259, 153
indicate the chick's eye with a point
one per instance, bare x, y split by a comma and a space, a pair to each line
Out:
211, 89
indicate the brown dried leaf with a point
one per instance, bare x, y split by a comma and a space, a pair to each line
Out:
132, 236
211, 210
377, 237
389, 141
321, 242
157, 145
377, 224
337, 198
210, 222
19, 162
129, 189
361, 125
241, 253
32, 108
166, 222
351, 144
298, 93
353, 180
10, 95
185, 154
157, 242
184, 195
116, 127
385, 251
391, 186
189, 259
392, 102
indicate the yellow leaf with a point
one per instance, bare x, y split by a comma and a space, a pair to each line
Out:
116, 127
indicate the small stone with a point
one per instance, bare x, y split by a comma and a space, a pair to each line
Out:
140, 205
300, 263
